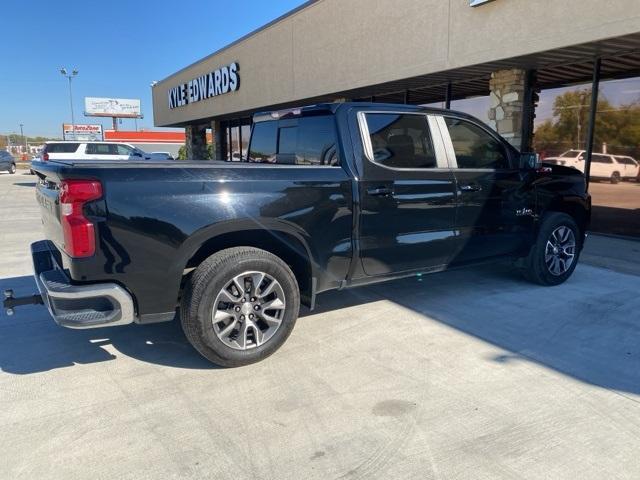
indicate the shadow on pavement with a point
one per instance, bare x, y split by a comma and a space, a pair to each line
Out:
30, 341
25, 184
587, 328
617, 221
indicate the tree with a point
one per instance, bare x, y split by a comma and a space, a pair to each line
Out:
182, 153
618, 127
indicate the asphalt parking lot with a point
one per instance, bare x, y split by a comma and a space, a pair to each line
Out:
616, 208
467, 374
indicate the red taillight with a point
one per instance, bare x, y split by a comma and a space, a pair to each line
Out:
79, 232
45, 157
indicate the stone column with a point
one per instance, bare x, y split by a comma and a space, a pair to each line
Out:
196, 142
219, 140
506, 104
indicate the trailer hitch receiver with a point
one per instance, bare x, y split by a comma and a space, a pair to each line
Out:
10, 302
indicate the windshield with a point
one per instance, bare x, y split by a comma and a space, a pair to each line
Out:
571, 153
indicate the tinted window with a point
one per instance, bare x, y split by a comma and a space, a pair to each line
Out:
101, 149
303, 141
288, 140
474, 147
263, 142
401, 140
61, 147
595, 158
317, 141
626, 161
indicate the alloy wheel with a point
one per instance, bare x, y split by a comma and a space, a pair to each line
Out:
560, 250
248, 311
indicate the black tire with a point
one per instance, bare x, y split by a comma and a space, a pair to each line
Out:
615, 178
209, 279
12, 168
535, 267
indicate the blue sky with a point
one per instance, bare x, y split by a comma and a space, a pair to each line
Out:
118, 46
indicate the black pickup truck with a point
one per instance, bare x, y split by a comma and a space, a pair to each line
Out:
330, 196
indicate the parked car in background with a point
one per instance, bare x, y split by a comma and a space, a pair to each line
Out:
7, 162
631, 167
570, 158
160, 156
604, 166
71, 150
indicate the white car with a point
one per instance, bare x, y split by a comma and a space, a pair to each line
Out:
608, 167
604, 166
71, 150
631, 167
570, 158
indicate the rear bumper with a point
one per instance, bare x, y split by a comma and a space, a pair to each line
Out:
78, 306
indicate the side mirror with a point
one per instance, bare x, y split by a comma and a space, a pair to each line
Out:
137, 154
529, 161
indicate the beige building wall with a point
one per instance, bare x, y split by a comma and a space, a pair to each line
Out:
336, 45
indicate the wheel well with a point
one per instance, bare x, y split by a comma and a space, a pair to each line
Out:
574, 210
283, 245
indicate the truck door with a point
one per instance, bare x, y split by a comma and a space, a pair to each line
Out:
407, 194
495, 204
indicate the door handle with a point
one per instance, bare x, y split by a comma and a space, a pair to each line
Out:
470, 187
380, 191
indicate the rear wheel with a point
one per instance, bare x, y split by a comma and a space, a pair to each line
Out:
554, 256
615, 177
12, 168
240, 306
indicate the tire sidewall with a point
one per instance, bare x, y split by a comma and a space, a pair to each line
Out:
216, 281
12, 169
549, 224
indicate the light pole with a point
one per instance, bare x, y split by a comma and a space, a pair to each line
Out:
23, 139
69, 76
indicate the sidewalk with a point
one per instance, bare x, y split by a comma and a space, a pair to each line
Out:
614, 253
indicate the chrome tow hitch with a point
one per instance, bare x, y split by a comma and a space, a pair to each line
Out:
10, 302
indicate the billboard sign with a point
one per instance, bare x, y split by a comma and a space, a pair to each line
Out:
112, 107
84, 133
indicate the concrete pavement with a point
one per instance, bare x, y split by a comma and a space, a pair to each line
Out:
467, 374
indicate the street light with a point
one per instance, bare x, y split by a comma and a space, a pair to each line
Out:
69, 76
23, 139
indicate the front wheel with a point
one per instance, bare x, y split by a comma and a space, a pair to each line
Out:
554, 256
240, 306
12, 168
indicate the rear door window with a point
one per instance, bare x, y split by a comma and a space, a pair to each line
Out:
401, 140
101, 149
601, 158
61, 147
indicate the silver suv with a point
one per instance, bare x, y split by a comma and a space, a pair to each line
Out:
7, 162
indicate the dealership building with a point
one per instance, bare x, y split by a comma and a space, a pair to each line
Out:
516, 64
